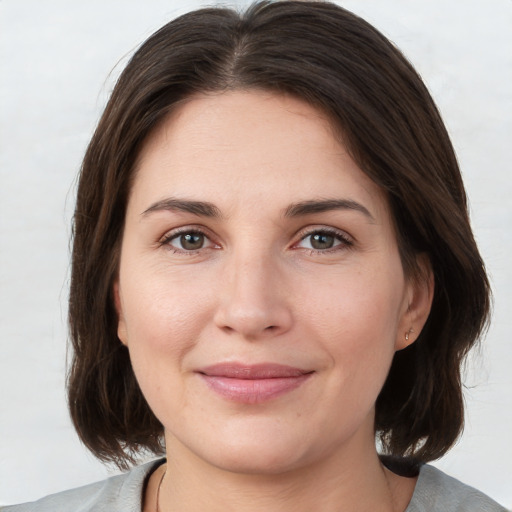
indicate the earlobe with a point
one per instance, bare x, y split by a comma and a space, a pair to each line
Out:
420, 294
121, 324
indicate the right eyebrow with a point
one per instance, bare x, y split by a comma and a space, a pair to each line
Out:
200, 208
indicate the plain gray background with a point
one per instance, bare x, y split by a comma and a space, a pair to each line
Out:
57, 66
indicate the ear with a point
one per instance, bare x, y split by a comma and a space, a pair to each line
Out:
418, 302
121, 323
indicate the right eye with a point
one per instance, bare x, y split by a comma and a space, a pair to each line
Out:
187, 241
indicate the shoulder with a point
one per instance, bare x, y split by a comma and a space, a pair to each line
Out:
436, 490
121, 493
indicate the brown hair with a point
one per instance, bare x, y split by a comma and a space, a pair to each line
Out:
337, 62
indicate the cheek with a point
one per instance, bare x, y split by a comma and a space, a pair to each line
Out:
357, 317
361, 301
163, 325
163, 321
159, 304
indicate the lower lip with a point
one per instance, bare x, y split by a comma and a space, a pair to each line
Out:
253, 391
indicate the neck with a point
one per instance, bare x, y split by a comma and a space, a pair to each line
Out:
340, 481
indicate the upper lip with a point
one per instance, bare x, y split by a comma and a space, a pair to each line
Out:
252, 371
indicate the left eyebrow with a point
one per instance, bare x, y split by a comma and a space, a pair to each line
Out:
312, 207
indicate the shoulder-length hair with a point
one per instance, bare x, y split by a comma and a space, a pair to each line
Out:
388, 122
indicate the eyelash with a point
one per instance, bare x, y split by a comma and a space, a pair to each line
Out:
168, 238
346, 242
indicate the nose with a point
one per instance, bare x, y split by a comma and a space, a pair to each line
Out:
253, 299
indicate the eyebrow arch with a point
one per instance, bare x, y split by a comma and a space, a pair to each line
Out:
312, 207
200, 208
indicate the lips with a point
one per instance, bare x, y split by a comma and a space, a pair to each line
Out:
252, 384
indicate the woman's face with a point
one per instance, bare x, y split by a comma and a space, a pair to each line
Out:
260, 292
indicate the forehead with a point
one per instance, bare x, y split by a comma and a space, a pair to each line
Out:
250, 146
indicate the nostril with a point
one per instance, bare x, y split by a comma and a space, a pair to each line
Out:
251, 318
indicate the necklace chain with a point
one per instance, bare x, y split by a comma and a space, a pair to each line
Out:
393, 504
158, 491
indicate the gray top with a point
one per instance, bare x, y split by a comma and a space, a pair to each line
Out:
435, 491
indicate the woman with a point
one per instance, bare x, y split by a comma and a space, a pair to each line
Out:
272, 265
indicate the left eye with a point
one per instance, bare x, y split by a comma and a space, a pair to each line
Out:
188, 241
322, 240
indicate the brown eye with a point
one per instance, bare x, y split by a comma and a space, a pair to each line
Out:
189, 241
321, 241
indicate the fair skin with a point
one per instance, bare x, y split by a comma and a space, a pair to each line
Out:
262, 297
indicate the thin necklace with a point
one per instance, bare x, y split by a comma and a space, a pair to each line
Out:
158, 491
165, 472
390, 492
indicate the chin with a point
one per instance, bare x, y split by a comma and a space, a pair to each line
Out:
257, 460
258, 449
